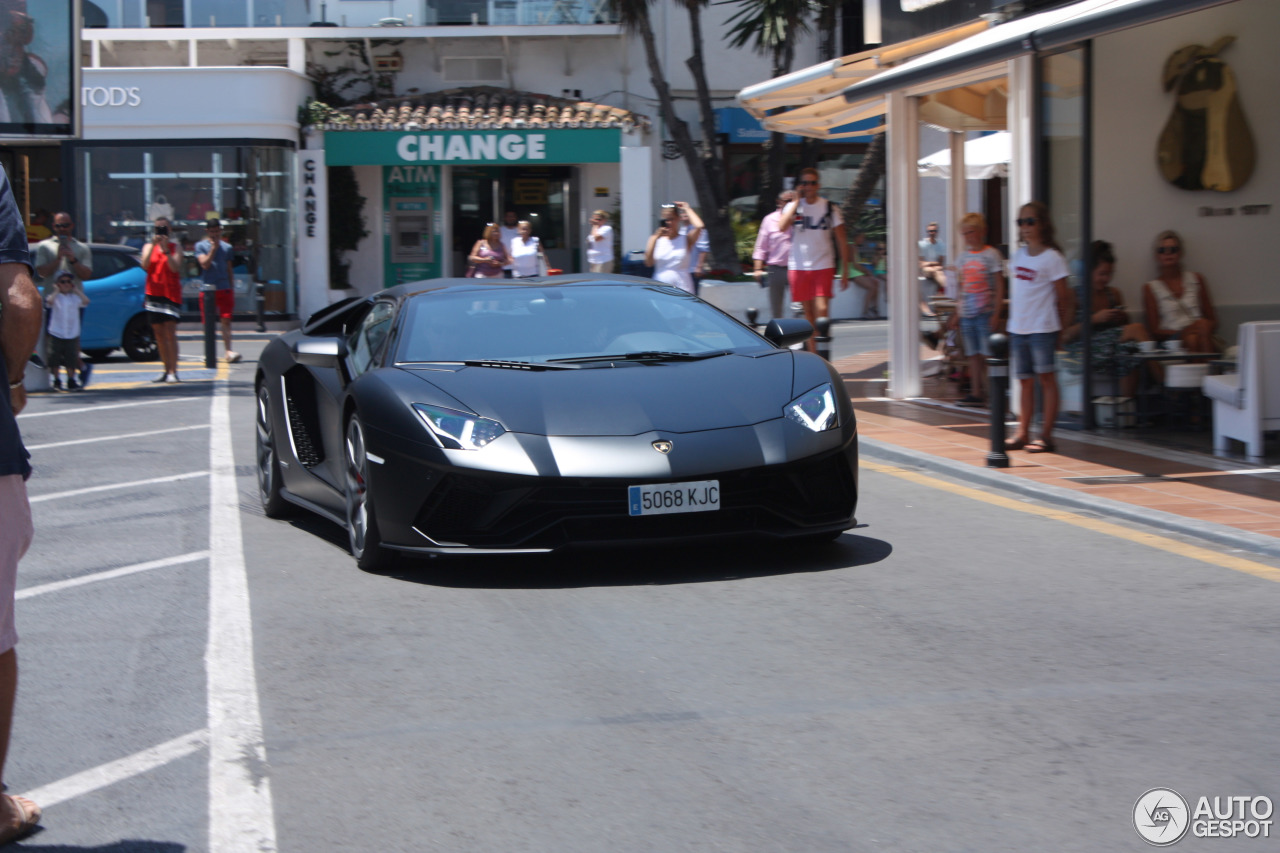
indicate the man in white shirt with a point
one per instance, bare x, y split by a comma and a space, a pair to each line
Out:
600, 243
510, 230
811, 267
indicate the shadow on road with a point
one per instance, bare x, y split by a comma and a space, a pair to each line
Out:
125, 846
641, 566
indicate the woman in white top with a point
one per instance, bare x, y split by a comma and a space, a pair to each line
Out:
1177, 304
668, 249
526, 250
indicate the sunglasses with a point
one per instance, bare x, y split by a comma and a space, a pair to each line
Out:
806, 183
62, 225
1030, 220
1168, 250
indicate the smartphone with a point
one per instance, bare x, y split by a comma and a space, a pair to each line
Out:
668, 206
162, 230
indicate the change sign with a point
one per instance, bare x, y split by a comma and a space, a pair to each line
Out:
472, 147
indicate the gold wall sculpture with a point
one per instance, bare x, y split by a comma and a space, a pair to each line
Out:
1206, 143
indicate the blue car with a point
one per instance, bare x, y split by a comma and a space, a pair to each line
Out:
114, 318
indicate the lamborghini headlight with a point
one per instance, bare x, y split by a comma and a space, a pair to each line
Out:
456, 430
815, 409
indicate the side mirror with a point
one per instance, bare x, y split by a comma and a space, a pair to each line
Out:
320, 352
787, 331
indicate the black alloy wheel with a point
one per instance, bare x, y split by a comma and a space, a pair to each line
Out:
139, 341
273, 503
362, 520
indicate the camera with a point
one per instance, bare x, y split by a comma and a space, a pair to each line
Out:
162, 230
668, 206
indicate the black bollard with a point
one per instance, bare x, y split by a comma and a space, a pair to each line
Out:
822, 338
752, 315
260, 304
998, 395
210, 326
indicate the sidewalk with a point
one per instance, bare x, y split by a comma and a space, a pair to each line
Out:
1231, 503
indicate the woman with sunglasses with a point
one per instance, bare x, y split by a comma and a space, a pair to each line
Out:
1037, 304
489, 254
668, 249
1177, 303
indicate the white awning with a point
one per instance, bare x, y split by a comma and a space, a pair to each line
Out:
815, 93
828, 95
984, 157
1043, 31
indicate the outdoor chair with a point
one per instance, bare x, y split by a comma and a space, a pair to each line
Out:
1246, 404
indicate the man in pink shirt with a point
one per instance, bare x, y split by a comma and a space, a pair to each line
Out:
773, 250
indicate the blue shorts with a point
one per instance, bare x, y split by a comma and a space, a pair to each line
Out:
976, 332
1032, 354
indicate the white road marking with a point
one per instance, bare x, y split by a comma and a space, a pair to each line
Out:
112, 486
79, 409
241, 816
57, 586
114, 437
118, 770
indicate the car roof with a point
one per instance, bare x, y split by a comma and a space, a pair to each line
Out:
113, 247
413, 288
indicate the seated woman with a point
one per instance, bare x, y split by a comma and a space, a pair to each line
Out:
862, 273
1177, 303
1114, 339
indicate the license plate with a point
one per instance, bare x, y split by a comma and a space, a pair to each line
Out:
662, 498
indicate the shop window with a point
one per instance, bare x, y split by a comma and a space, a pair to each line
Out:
122, 190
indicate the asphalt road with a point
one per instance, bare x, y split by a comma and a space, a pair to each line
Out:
963, 671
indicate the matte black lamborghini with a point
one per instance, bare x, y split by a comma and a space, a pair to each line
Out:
458, 416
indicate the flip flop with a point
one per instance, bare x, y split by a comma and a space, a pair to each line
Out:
29, 814
1040, 445
1015, 444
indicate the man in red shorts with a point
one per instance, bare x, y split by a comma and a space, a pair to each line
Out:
214, 255
811, 267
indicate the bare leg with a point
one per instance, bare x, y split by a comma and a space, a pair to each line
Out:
226, 333
8, 691
1027, 401
811, 314
1049, 390
978, 376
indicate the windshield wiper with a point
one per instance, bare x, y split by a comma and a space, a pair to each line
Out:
496, 362
644, 355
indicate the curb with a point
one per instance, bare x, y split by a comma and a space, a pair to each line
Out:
1219, 534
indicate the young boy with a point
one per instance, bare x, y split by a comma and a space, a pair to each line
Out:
980, 271
64, 330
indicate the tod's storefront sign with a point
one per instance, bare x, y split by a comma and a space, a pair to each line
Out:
472, 147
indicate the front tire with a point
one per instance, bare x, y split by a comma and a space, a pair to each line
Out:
139, 341
273, 503
362, 519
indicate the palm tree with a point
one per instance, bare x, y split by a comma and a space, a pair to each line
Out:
771, 27
706, 167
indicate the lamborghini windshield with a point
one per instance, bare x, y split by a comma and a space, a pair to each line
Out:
568, 324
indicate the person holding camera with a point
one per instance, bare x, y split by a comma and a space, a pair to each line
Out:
63, 253
669, 247
162, 259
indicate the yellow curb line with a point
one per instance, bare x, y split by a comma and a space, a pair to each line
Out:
1182, 549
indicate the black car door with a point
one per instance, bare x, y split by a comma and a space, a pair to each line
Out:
365, 345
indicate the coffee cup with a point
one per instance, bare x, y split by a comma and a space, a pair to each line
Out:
1173, 346
1147, 346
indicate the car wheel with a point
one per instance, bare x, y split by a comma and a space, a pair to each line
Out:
273, 503
138, 341
362, 519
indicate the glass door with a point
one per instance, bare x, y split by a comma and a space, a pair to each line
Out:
474, 195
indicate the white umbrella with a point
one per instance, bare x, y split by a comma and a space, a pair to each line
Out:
985, 157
